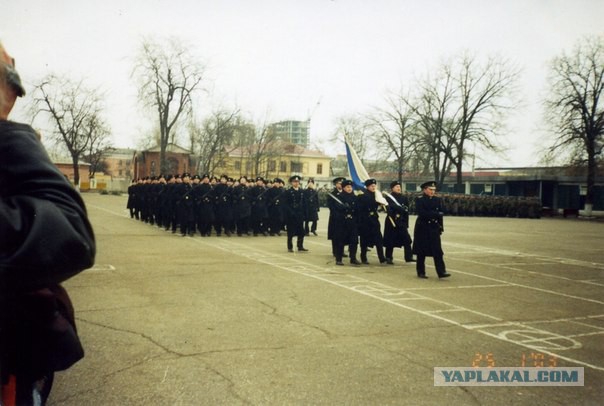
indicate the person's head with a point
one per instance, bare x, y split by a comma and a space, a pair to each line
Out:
370, 185
337, 182
429, 188
10, 83
395, 187
295, 181
346, 186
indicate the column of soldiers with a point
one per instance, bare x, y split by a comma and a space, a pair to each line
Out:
489, 206
221, 206
354, 222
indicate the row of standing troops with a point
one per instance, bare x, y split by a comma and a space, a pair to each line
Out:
194, 204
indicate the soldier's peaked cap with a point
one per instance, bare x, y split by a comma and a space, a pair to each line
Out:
428, 184
338, 179
370, 181
295, 178
346, 182
393, 184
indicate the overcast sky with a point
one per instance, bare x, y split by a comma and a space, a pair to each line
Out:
280, 57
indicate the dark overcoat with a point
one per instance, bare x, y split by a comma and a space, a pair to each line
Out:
369, 220
344, 218
396, 225
428, 227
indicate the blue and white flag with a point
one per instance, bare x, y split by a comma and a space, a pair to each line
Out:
358, 173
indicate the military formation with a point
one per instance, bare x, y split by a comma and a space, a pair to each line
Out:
487, 205
204, 205
207, 205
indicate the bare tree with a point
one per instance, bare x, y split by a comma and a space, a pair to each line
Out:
574, 107
433, 141
484, 93
464, 104
97, 133
75, 113
262, 147
168, 76
394, 129
209, 139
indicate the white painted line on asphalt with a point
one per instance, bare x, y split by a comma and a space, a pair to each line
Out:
530, 337
499, 285
519, 285
536, 339
559, 260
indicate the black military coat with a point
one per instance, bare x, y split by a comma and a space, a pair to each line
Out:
344, 219
294, 207
312, 204
369, 221
428, 227
331, 203
223, 202
397, 221
241, 202
203, 198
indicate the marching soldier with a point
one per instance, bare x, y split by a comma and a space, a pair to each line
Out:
259, 212
131, 204
428, 228
294, 208
243, 209
203, 197
369, 222
312, 208
184, 206
344, 218
224, 209
275, 214
337, 189
396, 226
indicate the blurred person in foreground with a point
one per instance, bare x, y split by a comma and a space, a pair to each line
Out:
45, 238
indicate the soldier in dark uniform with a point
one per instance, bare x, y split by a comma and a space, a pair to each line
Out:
158, 189
142, 199
223, 207
131, 204
312, 208
369, 222
167, 202
396, 225
175, 194
275, 215
184, 206
259, 214
243, 209
203, 197
153, 194
344, 218
428, 228
337, 183
293, 209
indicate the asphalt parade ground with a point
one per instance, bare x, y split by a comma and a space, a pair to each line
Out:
171, 320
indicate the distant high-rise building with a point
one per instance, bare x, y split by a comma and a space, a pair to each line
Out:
292, 131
